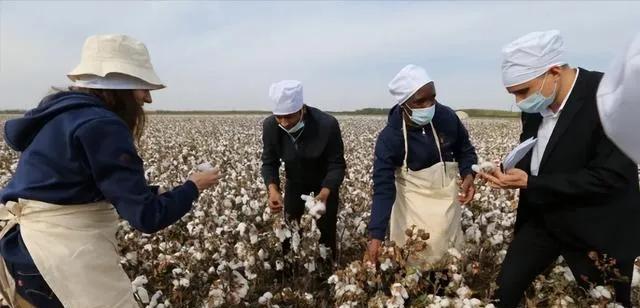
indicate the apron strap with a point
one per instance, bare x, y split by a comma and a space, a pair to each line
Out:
406, 144
444, 165
437, 140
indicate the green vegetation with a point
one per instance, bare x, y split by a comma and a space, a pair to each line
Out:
490, 113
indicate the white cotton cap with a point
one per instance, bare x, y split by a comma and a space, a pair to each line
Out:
530, 56
115, 81
287, 96
619, 100
407, 82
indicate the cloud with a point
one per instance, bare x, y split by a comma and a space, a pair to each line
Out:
224, 55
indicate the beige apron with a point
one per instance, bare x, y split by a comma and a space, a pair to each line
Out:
74, 248
428, 199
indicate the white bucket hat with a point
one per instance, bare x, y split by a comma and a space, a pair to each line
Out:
115, 53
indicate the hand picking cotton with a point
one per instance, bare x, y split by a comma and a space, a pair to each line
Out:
205, 167
316, 208
484, 167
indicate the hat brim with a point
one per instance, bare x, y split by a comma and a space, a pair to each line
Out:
280, 113
105, 67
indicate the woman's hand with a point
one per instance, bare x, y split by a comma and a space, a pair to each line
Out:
206, 179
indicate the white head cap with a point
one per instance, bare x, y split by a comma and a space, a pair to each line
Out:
407, 82
530, 56
287, 96
619, 100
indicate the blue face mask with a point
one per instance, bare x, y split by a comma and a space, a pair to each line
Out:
537, 102
422, 116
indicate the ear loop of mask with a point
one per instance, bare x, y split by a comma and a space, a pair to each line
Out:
404, 110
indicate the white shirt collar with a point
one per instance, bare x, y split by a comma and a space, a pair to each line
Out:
548, 112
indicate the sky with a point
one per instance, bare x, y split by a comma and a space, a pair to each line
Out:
224, 55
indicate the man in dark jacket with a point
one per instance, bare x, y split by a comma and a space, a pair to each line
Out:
309, 143
415, 92
578, 192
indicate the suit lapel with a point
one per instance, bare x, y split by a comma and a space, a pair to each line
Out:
572, 106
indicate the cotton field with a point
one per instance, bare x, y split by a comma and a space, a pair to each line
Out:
227, 251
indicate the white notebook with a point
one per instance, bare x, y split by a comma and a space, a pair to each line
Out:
518, 153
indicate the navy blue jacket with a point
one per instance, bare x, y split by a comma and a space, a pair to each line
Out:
76, 151
423, 153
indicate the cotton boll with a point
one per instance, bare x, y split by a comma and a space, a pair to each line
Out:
362, 228
184, 282
143, 295
454, 253
333, 279
205, 167
463, 292
484, 167
316, 208
139, 281
241, 228
386, 265
295, 241
324, 251
496, 239
311, 266
262, 254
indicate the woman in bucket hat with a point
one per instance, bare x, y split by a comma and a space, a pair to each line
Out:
79, 171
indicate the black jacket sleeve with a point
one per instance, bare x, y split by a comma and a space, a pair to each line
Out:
336, 164
270, 159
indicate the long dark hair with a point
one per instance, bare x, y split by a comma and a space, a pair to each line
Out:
122, 103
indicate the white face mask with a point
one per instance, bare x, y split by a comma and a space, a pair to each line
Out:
296, 128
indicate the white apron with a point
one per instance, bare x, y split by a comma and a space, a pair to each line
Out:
74, 248
428, 199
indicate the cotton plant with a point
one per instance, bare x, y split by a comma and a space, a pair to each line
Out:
314, 207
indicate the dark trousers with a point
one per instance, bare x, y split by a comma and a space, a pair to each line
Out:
534, 249
294, 209
32, 287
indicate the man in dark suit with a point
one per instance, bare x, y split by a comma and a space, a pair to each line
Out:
309, 142
578, 192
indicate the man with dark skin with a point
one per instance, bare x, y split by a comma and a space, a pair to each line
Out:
417, 113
